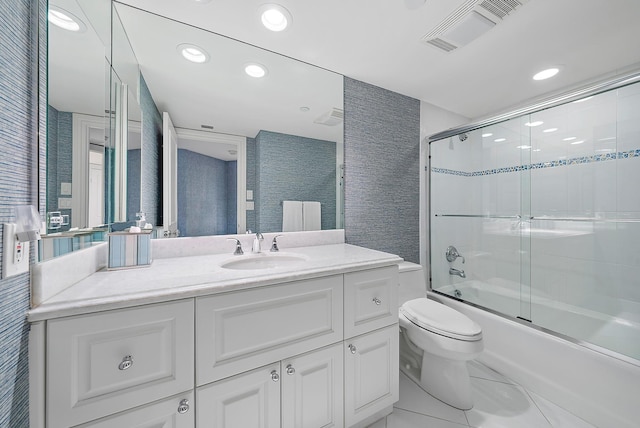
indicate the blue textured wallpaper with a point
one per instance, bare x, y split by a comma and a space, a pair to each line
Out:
204, 195
151, 157
232, 196
18, 186
289, 167
382, 169
251, 181
133, 183
59, 158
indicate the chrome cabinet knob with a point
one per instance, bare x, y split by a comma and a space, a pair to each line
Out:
377, 301
275, 376
290, 370
126, 363
353, 348
183, 407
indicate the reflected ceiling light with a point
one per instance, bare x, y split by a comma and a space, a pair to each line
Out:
546, 74
275, 17
304, 109
550, 130
536, 150
488, 134
500, 140
65, 20
255, 70
578, 142
568, 138
523, 147
193, 53
536, 123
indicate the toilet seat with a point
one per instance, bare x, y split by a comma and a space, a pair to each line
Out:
441, 319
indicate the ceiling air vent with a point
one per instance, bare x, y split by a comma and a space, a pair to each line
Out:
471, 20
331, 118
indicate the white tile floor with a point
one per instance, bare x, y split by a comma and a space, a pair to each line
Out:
499, 403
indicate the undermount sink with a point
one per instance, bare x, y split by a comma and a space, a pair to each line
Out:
263, 261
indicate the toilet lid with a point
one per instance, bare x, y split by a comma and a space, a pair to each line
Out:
441, 319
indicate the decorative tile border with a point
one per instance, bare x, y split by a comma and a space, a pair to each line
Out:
540, 165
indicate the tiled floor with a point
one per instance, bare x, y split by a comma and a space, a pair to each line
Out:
499, 403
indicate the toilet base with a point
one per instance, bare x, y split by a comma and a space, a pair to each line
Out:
447, 380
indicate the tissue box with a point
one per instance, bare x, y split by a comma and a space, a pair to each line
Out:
129, 250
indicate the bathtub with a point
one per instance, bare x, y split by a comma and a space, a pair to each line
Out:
599, 388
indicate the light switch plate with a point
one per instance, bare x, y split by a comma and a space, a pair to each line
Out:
250, 206
64, 203
65, 189
15, 255
249, 195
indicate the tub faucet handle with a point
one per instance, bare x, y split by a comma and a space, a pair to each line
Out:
452, 254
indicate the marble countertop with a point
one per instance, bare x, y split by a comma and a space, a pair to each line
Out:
184, 277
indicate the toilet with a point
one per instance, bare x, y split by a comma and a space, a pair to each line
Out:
436, 341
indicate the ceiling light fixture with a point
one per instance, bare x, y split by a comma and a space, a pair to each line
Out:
568, 138
546, 74
550, 130
275, 17
500, 140
536, 123
65, 20
193, 53
255, 70
488, 134
523, 147
577, 142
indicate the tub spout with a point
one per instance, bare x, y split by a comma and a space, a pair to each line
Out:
458, 272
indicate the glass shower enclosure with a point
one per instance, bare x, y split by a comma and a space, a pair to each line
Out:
537, 217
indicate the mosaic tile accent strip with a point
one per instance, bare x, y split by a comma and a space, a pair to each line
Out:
540, 165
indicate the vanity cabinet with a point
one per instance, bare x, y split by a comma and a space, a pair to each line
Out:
303, 391
313, 353
104, 363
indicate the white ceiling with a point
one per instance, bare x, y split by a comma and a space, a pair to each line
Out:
378, 42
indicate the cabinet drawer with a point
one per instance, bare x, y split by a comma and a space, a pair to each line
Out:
370, 300
111, 361
174, 412
238, 331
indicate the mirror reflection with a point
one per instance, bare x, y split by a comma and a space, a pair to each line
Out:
247, 148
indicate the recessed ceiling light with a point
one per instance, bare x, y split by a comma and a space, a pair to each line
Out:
193, 53
488, 134
536, 123
568, 138
275, 17
545, 74
65, 20
550, 130
500, 140
255, 70
578, 142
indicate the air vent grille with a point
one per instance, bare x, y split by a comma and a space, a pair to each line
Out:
494, 11
333, 117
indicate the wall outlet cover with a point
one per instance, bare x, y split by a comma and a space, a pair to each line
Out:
65, 189
64, 203
15, 254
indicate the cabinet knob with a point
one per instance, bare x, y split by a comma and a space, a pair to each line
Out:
290, 370
275, 376
377, 301
126, 363
353, 348
183, 407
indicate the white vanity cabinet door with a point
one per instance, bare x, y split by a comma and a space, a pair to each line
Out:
312, 389
370, 300
247, 400
371, 373
239, 331
175, 412
107, 362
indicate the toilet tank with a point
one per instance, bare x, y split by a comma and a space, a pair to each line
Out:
411, 282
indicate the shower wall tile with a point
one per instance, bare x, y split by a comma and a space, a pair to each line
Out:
549, 191
628, 177
628, 125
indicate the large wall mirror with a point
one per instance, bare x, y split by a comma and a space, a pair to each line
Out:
249, 149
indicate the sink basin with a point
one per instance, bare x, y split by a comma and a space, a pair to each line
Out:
263, 261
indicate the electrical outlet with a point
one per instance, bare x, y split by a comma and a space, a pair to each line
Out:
15, 254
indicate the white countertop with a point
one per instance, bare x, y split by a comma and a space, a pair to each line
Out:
183, 277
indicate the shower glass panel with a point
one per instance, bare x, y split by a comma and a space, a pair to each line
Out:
545, 208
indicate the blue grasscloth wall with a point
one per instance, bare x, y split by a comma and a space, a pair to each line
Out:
59, 155
151, 157
289, 167
18, 186
382, 169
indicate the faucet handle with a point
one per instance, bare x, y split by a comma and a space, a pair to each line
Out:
238, 251
274, 244
452, 254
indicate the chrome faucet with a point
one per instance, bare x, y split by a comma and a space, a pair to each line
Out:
459, 272
274, 244
238, 251
256, 243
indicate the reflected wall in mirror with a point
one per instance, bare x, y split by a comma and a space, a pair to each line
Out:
245, 144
